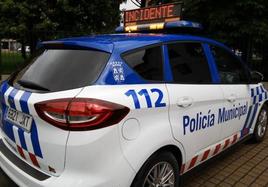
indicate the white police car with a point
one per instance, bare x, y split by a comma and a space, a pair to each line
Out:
126, 110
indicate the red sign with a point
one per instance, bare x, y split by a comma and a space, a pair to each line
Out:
162, 13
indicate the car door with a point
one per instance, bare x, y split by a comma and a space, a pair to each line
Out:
234, 82
147, 100
194, 99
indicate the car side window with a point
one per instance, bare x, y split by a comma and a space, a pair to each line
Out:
231, 70
148, 63
188, 63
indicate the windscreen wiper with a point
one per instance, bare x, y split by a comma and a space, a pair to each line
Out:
31, 85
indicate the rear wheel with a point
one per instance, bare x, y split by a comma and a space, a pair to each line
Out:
261, 125
161, 170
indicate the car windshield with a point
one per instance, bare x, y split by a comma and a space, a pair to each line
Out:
61, 69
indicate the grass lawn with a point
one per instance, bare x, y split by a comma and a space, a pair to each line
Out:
10, 62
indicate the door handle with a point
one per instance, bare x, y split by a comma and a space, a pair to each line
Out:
232, 98
184, 102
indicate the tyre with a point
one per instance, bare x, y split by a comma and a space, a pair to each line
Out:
261, 125
160, 170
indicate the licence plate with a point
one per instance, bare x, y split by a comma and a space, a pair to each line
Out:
20, 119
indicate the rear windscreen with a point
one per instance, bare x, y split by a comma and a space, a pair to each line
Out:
61, 69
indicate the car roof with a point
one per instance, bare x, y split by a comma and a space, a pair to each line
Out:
128, 41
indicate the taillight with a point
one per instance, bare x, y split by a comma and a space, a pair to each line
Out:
80, 114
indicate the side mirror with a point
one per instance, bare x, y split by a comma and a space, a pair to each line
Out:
256, 77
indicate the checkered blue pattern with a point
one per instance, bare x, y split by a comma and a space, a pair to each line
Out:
258, 95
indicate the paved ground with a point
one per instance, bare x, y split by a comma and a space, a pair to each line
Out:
5, 181
245, 164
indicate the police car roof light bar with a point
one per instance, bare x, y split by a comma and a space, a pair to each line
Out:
160, 26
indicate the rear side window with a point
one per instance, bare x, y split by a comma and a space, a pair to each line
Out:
231, 70
188, 63
62, 69
148, 63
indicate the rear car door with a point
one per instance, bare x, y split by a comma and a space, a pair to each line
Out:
234, 82
53, 74
194, 99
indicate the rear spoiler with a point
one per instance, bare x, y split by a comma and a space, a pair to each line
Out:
107, 47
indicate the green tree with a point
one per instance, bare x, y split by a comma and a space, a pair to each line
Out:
29, 21
95, 16
23, 20
144, 3
239, 23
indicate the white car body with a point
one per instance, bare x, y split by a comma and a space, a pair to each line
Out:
195, 121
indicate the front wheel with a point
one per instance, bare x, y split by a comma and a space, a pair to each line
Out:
261, 125
161, 170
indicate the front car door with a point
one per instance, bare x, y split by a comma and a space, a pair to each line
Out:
234, 82
194, 101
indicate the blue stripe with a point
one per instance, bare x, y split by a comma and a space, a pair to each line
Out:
252, 92
254, 114
24, 102
35, 141
258, 92
262, 89
8, 129
34, 134
167, 69
11, 98
254, 99
211, 62
249, 112
3, 112
22, 139
3, 90
260, 98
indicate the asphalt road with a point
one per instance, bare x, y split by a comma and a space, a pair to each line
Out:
5, 181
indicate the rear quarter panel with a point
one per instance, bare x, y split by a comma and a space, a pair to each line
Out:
145, 129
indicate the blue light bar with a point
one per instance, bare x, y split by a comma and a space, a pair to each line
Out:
160, 26
183, 24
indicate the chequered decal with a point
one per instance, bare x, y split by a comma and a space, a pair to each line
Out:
27, 144
258, 95
210, 152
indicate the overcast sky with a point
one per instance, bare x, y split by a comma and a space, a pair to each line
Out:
128, 5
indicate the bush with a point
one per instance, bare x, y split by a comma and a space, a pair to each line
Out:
10, 61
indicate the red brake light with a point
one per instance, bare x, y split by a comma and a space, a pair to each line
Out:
80, 114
